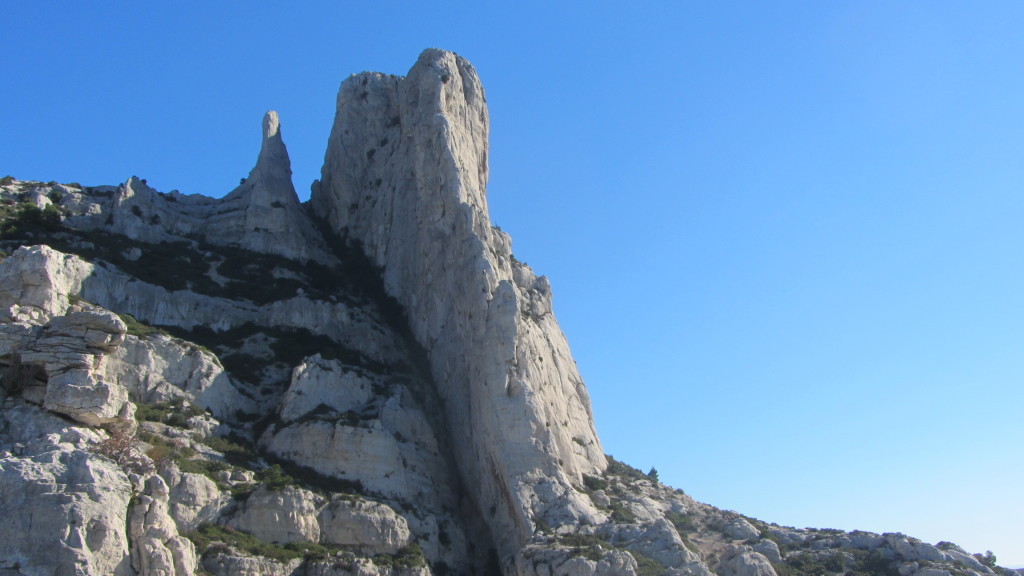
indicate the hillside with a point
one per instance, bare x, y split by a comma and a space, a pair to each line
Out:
366, 383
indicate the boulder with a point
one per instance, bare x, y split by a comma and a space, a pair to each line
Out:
193, 499
369, 527
740, 529
286, 515
769, 550
743, 561
35, 284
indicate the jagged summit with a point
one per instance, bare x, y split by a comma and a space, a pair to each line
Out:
270, 179
262, 214
272, 218
273, 161
365, 385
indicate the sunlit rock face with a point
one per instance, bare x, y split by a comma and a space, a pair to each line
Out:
405, 175
262, 214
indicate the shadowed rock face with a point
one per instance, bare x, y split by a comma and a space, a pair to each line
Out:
405, 174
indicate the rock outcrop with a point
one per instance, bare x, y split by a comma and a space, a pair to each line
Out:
262, 214
65, 508
157, 548
405, 175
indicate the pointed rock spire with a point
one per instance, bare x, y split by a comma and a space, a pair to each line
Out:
273, 162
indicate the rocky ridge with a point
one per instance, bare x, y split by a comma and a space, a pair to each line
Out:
235, 386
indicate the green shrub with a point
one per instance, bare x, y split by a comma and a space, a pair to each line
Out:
647, 566
206, 535
683, 522
808, 564
589, 546
410, 556
177, 419
234, 452
24, 220
274, 478
594, 483
621, 514
622, 469
138, 329
988, 559
208, 468
161, 449
174, 413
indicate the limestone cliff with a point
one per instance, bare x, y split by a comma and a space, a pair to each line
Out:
405, 175
368, 384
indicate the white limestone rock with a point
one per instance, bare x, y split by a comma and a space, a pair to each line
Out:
161, 369
743, 561
286, 515
70, 349
369, 527
658, 541
787, 536
370, 455
405, 174
600, 499
225, 564
908, 568
769, 550
36, 282
330, 383
63, 506
193, 498
862, 540
913, 549
740, 529
360, 567
352, 327
534, 560
932, 572
157, 548
262, 214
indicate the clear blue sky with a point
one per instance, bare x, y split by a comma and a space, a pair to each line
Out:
784, 238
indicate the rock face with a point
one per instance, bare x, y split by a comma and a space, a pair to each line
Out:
367, 385
262, 214
363, 525
157, 548
742, 561
59, 363
281, 516
65, 509
405, 174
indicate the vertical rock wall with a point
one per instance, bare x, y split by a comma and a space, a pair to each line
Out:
405, 175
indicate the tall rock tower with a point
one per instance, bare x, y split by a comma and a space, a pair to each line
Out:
405, 175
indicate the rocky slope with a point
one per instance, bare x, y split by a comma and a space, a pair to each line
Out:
369, 383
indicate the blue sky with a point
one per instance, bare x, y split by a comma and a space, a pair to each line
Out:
784, 238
